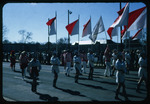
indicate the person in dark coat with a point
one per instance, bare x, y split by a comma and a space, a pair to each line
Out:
12, 60
35, 66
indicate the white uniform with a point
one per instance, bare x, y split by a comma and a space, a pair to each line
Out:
114, 58
121, 69
83, 61
77, 62
55, 64
68, 59
127, 58
90, 58
143, 67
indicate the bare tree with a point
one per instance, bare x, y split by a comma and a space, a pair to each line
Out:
5, 31
25, 35
28, 36
62, 41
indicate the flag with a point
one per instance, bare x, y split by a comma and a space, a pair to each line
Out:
137, 20
99, 27
138, 35
52, 24
121, 20
87, 28
126, 35
73, 28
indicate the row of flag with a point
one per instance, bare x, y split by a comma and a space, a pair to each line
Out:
135, 20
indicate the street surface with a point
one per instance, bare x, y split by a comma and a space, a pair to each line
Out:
99, 89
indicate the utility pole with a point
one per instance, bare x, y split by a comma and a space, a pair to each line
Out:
69, 12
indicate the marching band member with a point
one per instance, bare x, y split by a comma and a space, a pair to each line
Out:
90, 58
35, 66
55, 67
68, 63
120, 78
142, 73
77, 65
23, 59
84, 61
107, 54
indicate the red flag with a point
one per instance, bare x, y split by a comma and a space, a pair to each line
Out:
137, 20
73, 28
51, 21
52, 24
138, 35
87, 28
121, 20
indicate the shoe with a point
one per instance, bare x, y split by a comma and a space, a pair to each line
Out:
34, 91
116, 97
66, 74
54, 85
126, 99
76, 81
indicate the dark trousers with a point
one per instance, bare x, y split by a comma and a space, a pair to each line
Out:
34, 74
139, 83
55, 78
77, 75
23, 72
34, 84
91, 73
118, 89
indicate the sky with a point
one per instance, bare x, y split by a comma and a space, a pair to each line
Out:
33, 17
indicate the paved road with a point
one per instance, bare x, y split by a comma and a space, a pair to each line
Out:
99, 89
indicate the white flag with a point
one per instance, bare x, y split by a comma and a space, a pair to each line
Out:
138, 35
126, 35
121, 20
138, 19
99, 27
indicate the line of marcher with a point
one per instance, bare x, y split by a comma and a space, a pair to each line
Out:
120, 63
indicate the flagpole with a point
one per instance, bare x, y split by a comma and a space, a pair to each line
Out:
120, 30
142, 39
56, 31
68, 33
91, 33
78, 35
106, 37
48, 36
